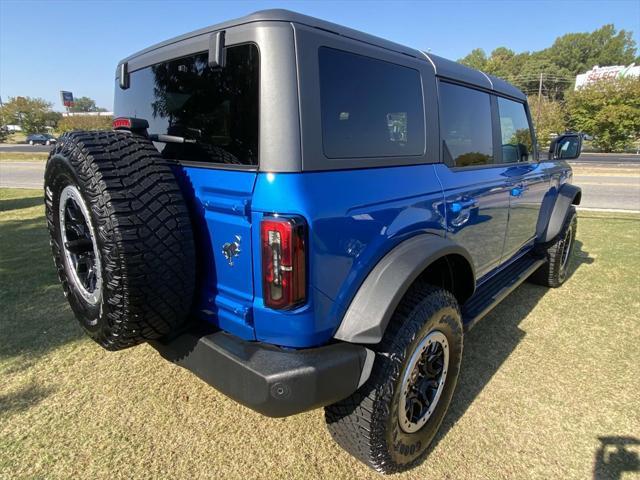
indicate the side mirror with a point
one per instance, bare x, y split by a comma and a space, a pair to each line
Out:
566, 147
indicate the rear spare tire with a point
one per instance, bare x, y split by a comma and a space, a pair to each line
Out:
121, 237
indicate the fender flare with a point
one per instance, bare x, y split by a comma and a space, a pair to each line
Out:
373, 305
554, 211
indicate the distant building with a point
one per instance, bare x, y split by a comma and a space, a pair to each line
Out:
87, 114
597, 74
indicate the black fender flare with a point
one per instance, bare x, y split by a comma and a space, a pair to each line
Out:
554, 211
373, 305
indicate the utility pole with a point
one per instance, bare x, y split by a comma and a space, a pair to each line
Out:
539, 100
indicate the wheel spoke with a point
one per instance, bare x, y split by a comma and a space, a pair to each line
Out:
79, 246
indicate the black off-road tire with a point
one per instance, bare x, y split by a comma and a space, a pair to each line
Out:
366, 424
142, 231
554, 271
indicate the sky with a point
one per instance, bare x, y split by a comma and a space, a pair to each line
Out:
48, 46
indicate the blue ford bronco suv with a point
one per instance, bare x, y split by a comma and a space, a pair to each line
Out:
305, 216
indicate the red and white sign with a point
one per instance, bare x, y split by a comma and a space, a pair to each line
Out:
597, 74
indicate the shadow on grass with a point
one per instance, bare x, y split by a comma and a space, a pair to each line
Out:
23, 399
35, 315
616, 455
491, 341
18, 203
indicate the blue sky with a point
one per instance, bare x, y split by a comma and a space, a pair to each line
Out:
50, 46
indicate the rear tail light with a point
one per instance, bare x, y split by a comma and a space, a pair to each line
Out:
129, 123
283, 262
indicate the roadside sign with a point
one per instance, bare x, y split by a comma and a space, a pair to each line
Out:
67, 98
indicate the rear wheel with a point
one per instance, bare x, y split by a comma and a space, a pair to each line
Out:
120, 235
554, 271
391, 420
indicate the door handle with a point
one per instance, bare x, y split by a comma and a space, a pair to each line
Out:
518, 189
460, 205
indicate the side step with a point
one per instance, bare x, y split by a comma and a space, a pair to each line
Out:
494, 290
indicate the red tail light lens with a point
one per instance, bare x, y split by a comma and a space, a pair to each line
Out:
284, 278
121, 123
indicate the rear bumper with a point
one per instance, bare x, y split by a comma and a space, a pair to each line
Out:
272, 381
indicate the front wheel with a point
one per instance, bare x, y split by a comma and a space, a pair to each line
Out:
31, 142
391, 420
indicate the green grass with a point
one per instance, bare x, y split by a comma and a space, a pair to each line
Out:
544, 376
23, 156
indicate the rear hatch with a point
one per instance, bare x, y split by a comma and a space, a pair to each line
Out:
205, 120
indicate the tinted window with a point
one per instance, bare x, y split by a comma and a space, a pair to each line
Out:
465, 126
516, 134
215, 110
370, 108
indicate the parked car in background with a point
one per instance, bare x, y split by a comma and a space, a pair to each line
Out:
41, 139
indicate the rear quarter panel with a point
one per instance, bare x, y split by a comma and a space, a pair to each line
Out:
355, 217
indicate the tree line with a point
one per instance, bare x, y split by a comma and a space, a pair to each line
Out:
36, 115
609, 111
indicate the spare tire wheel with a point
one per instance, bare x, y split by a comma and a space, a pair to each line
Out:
121, 237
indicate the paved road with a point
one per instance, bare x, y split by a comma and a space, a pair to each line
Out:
608, 159
609, 188
22, 174
21, 147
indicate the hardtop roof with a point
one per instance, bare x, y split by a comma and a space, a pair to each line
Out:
443, 67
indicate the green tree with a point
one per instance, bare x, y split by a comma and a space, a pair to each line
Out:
476, 59
578, 52
85, 104
32, 114
549, 119
559, 64
610, 111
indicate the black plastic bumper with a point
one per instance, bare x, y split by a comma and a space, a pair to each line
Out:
271, 380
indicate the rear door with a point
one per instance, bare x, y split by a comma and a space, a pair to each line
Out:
476, 206
528, 180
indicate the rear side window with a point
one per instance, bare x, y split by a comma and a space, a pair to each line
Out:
213, 112
465, 126
517, 145
370, 108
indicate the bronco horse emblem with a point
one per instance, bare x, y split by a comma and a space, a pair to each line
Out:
231, 250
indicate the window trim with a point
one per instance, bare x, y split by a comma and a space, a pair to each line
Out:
495, 125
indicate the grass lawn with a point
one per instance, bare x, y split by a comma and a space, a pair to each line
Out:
23, 156
544, 376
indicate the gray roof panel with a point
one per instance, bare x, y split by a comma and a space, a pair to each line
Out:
444, 68
456, 71
281, 15
506, 88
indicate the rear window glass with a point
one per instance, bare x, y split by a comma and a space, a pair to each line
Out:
213, 112
370, 108
465, 126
